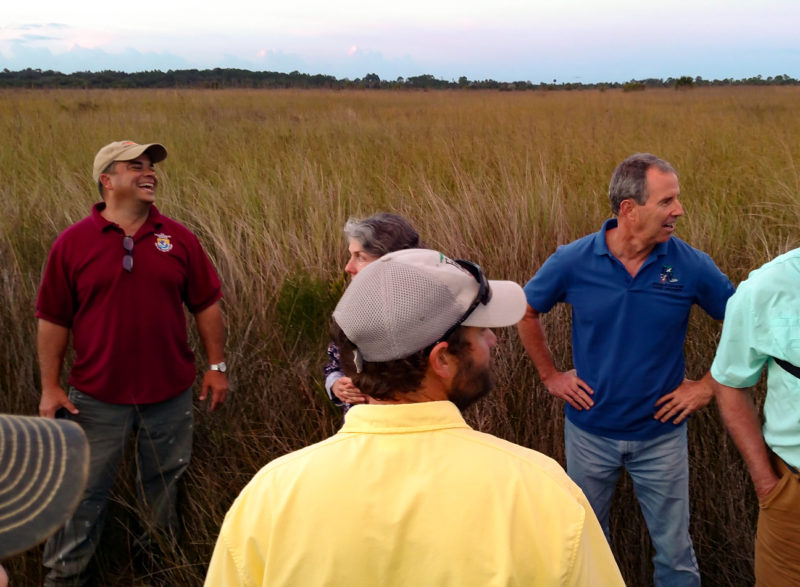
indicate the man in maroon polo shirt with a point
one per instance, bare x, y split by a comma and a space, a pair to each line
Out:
119, 280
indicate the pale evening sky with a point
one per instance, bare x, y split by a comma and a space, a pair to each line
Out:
506, 40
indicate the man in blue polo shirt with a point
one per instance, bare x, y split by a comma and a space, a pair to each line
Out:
631, 287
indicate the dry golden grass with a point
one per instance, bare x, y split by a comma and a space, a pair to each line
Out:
267, 179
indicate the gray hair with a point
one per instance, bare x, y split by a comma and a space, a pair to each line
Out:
109, 169
629, 179
382, 233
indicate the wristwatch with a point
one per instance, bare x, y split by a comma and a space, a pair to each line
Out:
221, 367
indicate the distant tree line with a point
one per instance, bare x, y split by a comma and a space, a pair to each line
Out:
243, 78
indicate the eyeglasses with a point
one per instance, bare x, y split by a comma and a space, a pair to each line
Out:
483, 297
127, 260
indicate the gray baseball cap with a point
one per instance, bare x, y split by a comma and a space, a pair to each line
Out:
410, 299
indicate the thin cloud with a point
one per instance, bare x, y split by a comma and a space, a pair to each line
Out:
49, 25
33, 38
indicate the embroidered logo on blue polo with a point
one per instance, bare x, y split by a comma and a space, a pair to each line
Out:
667, 274
163, 243
668, 279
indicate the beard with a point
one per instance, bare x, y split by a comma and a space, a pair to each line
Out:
470, 384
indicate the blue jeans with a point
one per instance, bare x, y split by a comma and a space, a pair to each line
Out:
163, 449
659, 469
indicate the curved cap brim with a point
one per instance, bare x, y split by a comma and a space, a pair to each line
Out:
506, 308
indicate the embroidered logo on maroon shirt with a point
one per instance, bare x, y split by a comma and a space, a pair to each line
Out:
163, 243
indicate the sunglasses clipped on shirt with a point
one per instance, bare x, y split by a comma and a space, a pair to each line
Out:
127, 260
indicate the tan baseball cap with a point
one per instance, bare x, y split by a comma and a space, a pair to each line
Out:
125, 151
44, 465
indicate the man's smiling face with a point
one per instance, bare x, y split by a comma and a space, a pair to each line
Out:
135, 179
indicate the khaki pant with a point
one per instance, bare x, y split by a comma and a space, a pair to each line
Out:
777, 561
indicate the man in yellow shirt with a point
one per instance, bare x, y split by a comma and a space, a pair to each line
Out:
428, 500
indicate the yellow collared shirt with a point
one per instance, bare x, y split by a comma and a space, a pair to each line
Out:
411, 495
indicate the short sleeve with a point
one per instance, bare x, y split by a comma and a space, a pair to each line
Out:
56, 301
203, 287
714, 288
738, 362
548, 286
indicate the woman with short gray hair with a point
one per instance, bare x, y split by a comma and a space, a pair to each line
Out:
368, 240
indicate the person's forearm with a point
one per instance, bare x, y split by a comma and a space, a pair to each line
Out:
211, 328
534, 340
51, 346
741, 420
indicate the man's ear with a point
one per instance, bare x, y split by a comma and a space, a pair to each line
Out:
441, 362
629, 208
105, 181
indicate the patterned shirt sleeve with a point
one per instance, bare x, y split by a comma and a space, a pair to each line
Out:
333, 371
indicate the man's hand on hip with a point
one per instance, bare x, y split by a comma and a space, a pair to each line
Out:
571, 388
687, 398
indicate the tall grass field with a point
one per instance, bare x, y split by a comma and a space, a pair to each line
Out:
267, 179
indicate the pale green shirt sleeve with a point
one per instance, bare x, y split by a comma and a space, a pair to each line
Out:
740, 358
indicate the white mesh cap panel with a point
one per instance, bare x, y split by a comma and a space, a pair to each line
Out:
395, 310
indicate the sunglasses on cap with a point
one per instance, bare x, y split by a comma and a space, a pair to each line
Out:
483, 297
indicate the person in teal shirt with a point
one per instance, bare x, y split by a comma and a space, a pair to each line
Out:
762, 329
